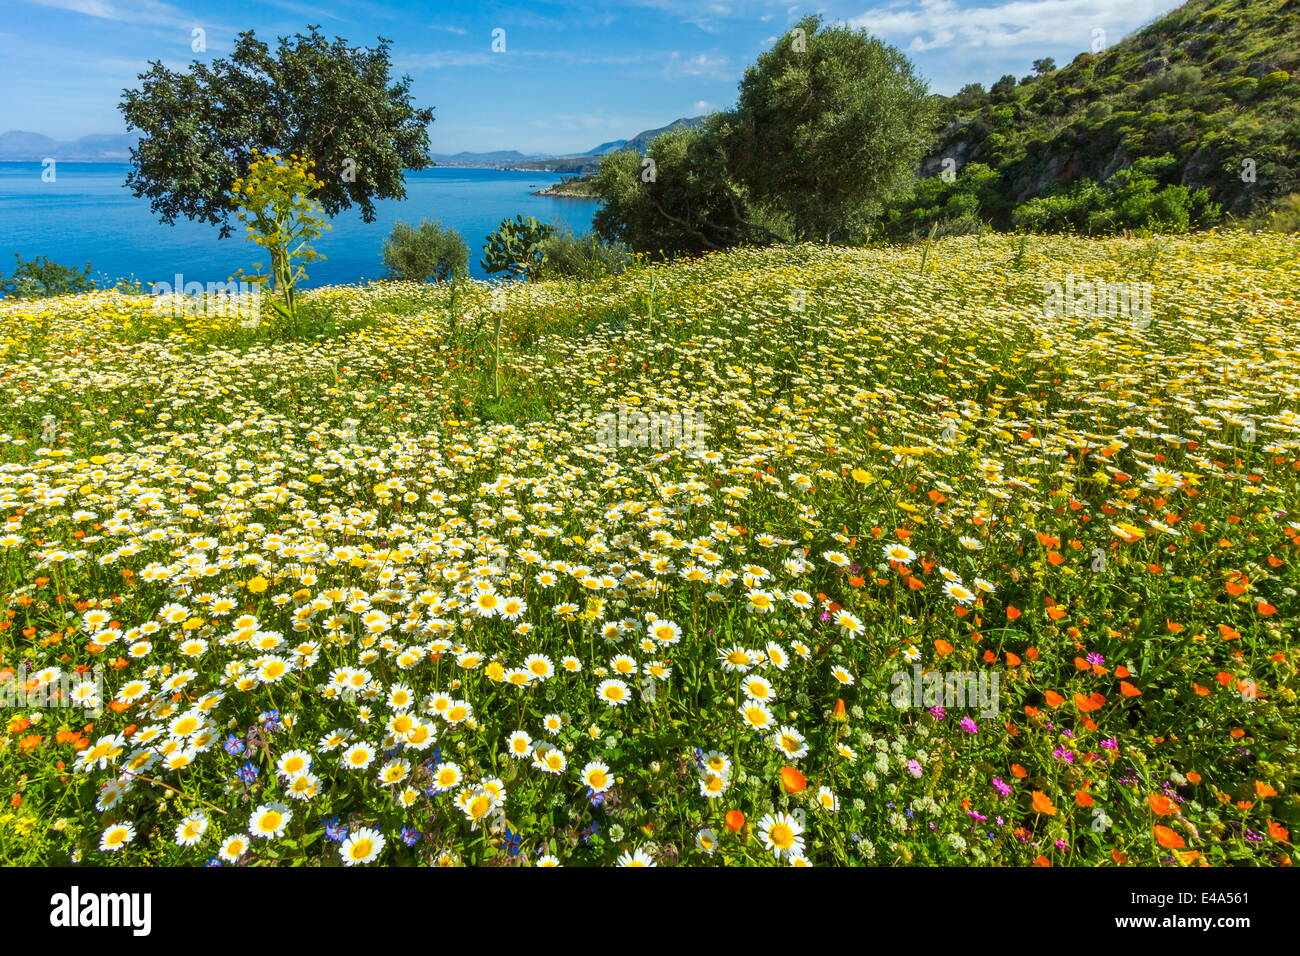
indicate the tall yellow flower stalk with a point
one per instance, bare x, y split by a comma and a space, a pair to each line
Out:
275, 206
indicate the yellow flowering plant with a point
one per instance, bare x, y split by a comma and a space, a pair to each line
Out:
275, 204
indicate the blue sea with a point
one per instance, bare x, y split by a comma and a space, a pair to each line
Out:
88, 215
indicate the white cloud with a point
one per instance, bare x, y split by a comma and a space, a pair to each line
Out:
163, 17
701, 64
439, 59
133, 11
940, 24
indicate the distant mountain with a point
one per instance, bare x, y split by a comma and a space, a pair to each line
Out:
584, 163
603, 148
500, 157
640, 141
22, 146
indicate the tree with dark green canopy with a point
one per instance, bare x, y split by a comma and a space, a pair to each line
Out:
677, 199
830, 124
331, 103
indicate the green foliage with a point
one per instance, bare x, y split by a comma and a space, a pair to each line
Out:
40, 278
1286, 217
425, 252
958, 207
1004, 87
1207, 84
1274, 81
1131, 199
829, 125
515, 247
275, 204
679, 199
568, 256
1172, 82
329, 102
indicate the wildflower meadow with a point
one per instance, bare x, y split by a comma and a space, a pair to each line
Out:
937, 553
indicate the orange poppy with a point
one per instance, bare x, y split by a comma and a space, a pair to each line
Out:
1168, 838
793, 780
1087, 704
1162, 806
735, 820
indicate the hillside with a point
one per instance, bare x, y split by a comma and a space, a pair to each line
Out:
1212, 84
22, 146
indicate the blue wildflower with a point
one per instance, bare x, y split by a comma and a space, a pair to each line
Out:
334, 830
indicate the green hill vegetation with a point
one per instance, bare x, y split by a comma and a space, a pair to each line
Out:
1207, 94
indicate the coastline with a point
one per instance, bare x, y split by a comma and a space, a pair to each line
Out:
560, 193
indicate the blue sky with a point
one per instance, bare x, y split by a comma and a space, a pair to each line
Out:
574, 73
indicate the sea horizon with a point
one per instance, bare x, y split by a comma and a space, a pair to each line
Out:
86, 214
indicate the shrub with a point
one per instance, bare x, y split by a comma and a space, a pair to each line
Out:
1243, 88
1171, 82
1098, 111
40, 278
568, 256
1131, 199
427, 252
1286, 217
1274, 80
